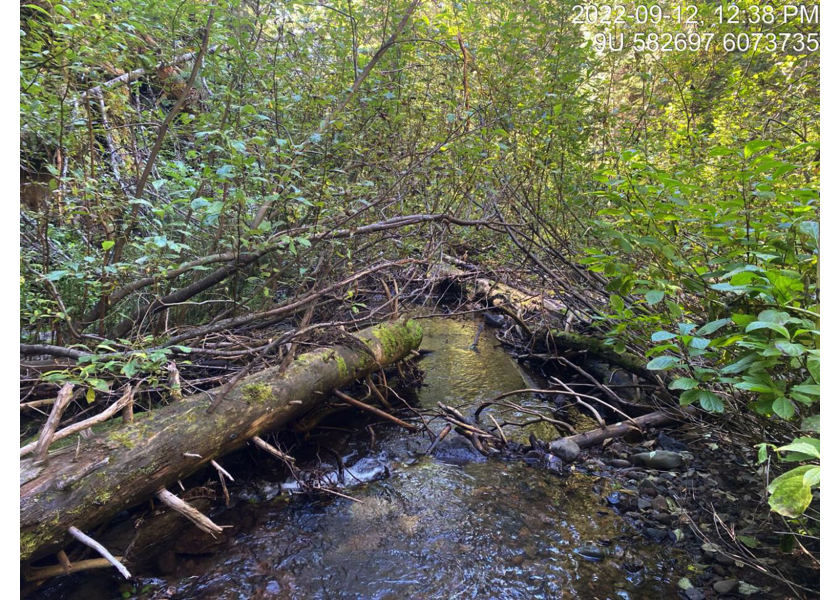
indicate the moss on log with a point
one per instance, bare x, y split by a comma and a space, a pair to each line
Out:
598, 349
123, 465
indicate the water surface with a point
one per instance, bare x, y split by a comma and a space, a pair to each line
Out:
451, 525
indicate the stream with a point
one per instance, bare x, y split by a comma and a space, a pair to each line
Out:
451, 525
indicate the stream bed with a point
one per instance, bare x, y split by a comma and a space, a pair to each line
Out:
450, 525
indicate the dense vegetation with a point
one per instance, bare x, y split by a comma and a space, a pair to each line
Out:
670, 198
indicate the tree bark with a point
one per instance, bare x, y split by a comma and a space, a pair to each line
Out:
500, 294
654, 419
126, 463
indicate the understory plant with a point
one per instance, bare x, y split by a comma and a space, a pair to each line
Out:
714, 271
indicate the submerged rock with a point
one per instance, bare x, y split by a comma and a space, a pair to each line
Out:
592, 552
554, 464
565, 449
661, 460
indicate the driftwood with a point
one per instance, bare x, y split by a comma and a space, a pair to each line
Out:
127, 463
596, 436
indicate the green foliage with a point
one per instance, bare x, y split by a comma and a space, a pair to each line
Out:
687, 180
734, 241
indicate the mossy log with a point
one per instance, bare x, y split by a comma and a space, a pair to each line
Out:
505, 298
123, 465
598, 349
500, 294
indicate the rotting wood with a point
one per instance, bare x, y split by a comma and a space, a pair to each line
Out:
654, 419
598, 349
198, 518
499, 293
148, 454
65, 395
41, 573
106, 414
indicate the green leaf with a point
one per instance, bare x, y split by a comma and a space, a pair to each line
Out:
739, 365
811, 228
755, 146
728, 287
795, 472
711, 402
688, 397
774, 316
713, 326
129, 369
56, 275
761, 383
814, 366
742, 320
811, 424
699, 343
662, 335
749, 542
811, 390
720, 151
654, 297
790, 496
662, 363
686, 328
683, 383
783, 407
790, 348
755, 325
617, 303
107, 244
225, 171
808, 446
812, 477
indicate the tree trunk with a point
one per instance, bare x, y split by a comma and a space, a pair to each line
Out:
597, 348
126, 463
499, 293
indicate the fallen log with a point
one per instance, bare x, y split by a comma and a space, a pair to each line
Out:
499, 294
597, 348
125, 464
654, 419
505, 298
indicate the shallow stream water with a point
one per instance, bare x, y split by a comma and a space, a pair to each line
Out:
451, 525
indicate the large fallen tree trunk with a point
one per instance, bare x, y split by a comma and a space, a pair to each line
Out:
85, 485
499, 294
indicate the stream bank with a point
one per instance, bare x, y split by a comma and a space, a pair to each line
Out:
451, 524
455, 523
